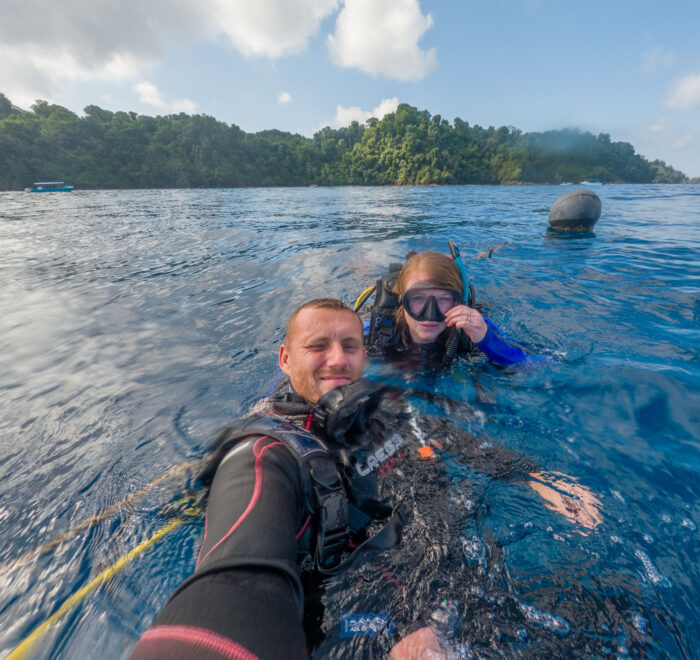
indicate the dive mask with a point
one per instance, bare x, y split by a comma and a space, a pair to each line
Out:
421, 306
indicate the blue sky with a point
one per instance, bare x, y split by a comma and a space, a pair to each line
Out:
630, 69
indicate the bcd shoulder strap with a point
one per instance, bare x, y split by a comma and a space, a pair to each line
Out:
386, 302
325, 491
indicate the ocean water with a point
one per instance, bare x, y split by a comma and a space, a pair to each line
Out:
133, 324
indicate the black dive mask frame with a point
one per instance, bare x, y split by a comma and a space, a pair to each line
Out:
431, 309
345, 409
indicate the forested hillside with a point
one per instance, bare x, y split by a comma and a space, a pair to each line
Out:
105, 149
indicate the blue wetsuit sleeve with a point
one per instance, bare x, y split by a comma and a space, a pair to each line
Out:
500, 349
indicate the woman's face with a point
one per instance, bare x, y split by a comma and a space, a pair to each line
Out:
425, 332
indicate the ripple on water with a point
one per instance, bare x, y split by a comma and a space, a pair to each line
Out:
650, 571
474, 552
120, 309
546, 620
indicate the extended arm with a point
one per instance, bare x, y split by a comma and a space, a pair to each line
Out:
245, 596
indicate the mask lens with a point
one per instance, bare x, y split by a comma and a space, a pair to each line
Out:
415, 300
447, 300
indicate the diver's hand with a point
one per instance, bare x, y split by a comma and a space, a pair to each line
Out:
423, 644
565, 496
469, 320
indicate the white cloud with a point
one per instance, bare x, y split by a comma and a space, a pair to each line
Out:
685, 93
284, 97
115, 43
271, 28
381, 37
33, 71
657, 58
658, 126
149, 95
345, 116
74, 41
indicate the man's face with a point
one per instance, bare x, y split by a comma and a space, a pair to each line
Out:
324, 351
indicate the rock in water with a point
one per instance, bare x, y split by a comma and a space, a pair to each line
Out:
576, 210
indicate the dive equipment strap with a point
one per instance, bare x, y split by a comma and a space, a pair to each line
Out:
324, 489
381, 325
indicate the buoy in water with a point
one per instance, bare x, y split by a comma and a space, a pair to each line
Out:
575, 210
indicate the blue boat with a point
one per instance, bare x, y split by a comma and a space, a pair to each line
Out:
49, 186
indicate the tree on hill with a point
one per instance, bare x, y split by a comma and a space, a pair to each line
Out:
105, 149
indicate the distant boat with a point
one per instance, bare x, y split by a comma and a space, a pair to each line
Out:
566, 183
592, 182
49, 186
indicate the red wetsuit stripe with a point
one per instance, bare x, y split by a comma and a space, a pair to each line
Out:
227, 648
257, 489
206, 524
303, 529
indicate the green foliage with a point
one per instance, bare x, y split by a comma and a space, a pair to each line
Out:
6, 108
105, 149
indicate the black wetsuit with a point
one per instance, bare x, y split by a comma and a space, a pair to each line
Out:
245, 597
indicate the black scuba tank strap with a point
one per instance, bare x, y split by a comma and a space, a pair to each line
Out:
333, 531
381, 325
316, 467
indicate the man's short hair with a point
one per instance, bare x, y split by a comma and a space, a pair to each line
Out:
319, 303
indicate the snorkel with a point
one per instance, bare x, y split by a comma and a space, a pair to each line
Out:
457, 258
451, 348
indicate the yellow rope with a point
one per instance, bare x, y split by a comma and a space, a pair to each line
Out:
132, 498
25, 647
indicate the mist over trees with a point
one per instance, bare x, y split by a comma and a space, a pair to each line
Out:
105, 149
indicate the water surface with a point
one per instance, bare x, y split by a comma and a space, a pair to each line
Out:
135, 323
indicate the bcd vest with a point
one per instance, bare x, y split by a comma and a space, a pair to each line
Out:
327, 493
